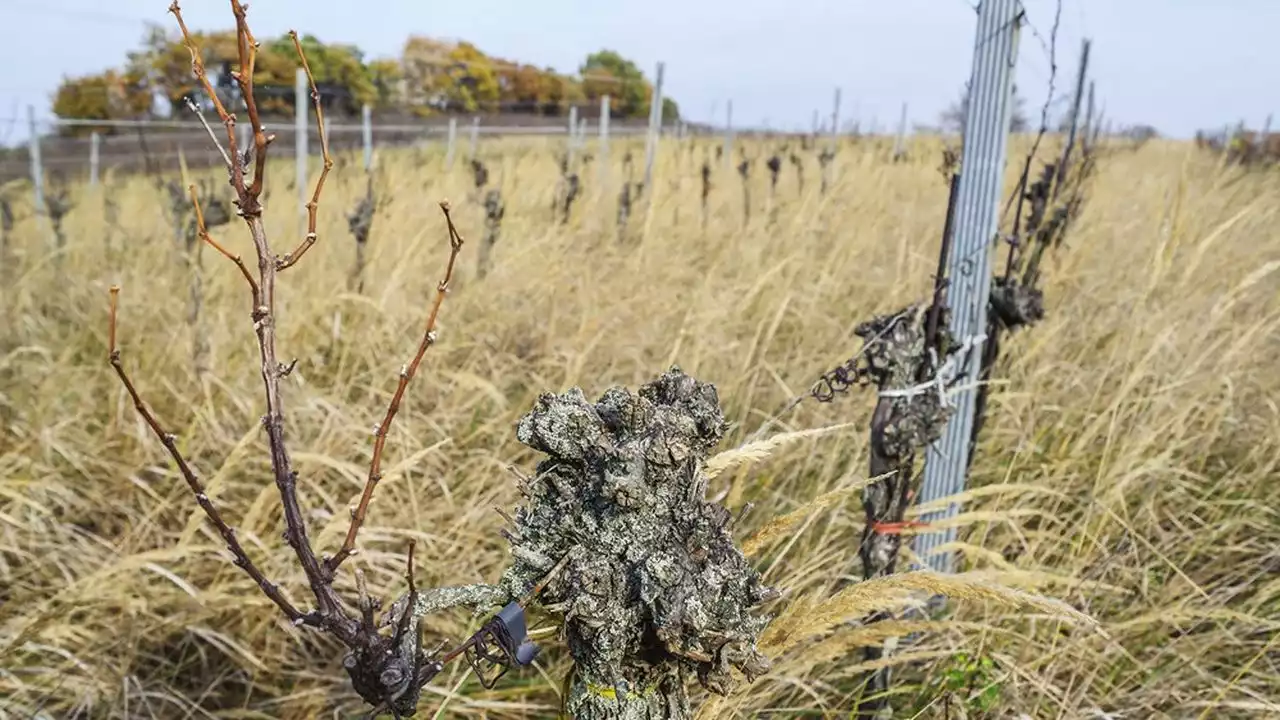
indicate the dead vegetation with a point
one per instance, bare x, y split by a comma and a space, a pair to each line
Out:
1125, 466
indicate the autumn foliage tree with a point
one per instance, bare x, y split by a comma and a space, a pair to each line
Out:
469, 81
167, 63
559, 91
110, 95
608, 73
521, 86
387, 77
335, 64
430, 76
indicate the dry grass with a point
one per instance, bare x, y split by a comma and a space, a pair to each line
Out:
1129, 468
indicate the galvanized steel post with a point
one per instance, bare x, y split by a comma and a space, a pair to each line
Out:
37, 168
452, 144
655, 130
95, 143
982, 167
366, 131
604, 145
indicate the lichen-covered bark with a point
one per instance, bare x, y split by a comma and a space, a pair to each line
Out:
902, 424
653, 589
432, 600
900, 427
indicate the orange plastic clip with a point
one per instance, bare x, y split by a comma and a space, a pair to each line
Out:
896, 528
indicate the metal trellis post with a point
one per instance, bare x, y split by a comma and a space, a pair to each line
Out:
655, 129
366, 128
37, 168
604, 145
453, 143
573, 129
1075, 115
982, 166
901, 137
95, 149
728, 135
835, 120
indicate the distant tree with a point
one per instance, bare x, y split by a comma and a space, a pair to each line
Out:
430, 75
461, 77
167, 63
670, 110
469, 81
952, 119
1140, 133
608, 73
520, 86
422, 60
558, 92
387, 77
574, 94
340, 67
107, 96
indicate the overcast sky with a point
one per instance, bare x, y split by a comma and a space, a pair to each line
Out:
1180, 65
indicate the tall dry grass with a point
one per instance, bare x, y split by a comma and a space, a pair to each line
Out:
1129, 466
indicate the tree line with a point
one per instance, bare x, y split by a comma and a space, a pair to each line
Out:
430, 76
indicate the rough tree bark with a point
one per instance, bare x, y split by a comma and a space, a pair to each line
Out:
653, 588
907, 417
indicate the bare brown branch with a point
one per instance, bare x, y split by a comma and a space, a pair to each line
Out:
273, 421
204, 235
365, 602
228, 120
248, 48
406, 374
313, 207
406, 619
193, 481
330, 611
386, 671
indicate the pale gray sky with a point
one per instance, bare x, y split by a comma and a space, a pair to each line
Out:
1177, 64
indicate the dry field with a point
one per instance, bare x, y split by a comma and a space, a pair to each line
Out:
1128, 468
